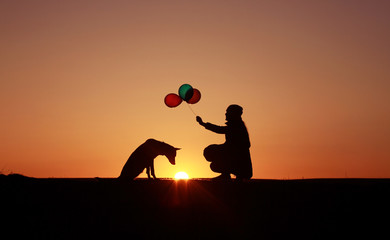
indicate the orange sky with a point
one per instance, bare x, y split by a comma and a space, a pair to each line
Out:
82, 84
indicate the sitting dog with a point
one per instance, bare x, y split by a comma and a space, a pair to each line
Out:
143, 157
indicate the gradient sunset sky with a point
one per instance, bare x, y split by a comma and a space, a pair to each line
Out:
82, 84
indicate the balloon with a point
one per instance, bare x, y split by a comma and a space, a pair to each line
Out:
195, 97
172, 100
186, 92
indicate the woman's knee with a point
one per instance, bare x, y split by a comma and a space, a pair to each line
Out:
211, 152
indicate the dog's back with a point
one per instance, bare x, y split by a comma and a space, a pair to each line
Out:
136, 163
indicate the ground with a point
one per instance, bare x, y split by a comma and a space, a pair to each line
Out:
194, 209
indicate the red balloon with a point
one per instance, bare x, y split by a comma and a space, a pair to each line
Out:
172, 100
195, 97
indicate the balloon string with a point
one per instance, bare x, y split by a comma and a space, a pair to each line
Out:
191, 109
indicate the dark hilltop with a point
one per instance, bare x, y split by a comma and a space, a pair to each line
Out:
56, 208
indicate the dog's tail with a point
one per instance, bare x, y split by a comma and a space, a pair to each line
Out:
122, 178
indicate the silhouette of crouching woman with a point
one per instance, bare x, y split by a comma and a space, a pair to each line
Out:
232, 157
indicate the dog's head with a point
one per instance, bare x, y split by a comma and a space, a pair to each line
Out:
171, 155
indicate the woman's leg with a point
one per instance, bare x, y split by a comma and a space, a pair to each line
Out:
218, 156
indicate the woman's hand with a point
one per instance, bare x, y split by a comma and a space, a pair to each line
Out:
199, 120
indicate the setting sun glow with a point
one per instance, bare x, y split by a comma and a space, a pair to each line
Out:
181, 175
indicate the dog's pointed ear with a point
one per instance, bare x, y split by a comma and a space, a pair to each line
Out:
177, 149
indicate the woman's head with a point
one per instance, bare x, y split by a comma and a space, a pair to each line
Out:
233, 112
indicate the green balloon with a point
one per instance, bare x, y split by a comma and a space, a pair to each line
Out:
186, 92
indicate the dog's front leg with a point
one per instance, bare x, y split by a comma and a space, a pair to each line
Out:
148, 171
152, 166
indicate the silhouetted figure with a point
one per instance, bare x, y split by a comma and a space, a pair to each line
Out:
232, 157
143, 157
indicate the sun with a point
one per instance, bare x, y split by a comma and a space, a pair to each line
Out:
181, 175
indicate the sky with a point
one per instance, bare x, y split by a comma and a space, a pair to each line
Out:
82, 85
